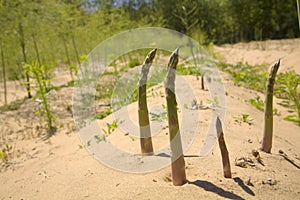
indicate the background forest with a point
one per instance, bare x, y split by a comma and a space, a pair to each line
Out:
59, 32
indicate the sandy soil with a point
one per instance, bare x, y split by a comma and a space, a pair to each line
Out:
58, 168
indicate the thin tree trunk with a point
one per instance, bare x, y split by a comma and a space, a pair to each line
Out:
177, 158
223, 149
3, 73
22, 42
68, 57
144, 124
75, 49
268, 120
36, 50
298, 10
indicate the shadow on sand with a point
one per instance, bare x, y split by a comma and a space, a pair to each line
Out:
243, 186
213, 188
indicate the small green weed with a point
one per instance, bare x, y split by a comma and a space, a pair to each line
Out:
40, 74
111, 127
4, 153
104, 114
160, 117
259, 104
243, 118
188, 70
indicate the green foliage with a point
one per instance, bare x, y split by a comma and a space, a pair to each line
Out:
104, 114
182, 69
111, 127
287, 88
133, 62
12, 106
40, 74
4, 153
245, 75
258, 103
160, 117
58, 28
243, 118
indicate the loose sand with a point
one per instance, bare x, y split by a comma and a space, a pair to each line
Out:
58, 168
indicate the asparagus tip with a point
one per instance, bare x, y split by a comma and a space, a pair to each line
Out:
219, 126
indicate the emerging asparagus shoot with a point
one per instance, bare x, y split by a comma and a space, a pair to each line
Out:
145, 132
224, 151
177, 158
268, 125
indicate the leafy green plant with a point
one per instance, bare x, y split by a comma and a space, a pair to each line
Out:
39, 73
214, 102
245, 75
15, 105
133, 62
243, 118
160, 117
110, 127
183, 69
4, 153
259, 104
287, 89
104, 114
99, 138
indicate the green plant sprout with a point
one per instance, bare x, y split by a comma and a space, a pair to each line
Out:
162, 116
111, 127
99, 138
4, 153
243, 118
259, 104
214, 102
39, 73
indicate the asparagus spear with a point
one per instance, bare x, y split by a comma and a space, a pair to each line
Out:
224, 151
268, 125
177, 158
145, 132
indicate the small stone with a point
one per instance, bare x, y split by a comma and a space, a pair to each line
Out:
255, 153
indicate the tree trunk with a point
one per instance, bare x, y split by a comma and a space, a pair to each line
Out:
68, 57
3, 72
75, 49
36, 50
22, 43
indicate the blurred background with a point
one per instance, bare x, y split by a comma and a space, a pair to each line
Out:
60, 32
